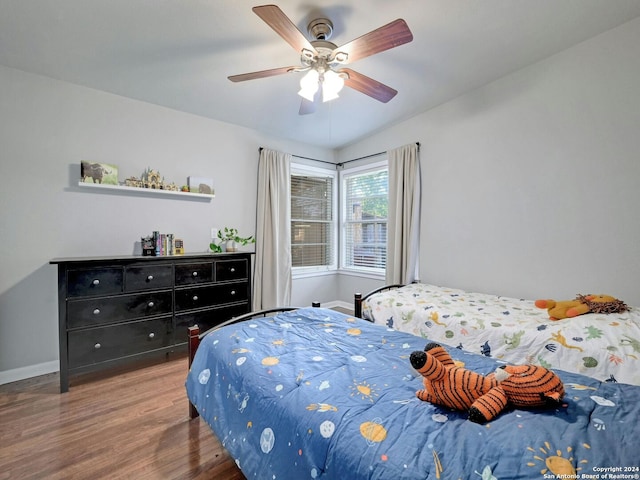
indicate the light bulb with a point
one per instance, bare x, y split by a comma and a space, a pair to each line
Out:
332, 83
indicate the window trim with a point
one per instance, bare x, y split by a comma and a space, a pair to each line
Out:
311, 271
360, 271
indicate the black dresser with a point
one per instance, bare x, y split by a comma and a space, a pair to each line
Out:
118, 310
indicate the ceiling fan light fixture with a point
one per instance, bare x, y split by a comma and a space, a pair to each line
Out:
323, 61
309, 85
332, 83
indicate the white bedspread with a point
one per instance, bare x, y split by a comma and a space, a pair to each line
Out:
605, 347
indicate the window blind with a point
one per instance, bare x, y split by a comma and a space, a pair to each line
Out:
312, 220
366, 198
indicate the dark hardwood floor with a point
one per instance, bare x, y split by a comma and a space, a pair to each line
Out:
127, 424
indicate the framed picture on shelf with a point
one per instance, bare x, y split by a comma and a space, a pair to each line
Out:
200, 185
103, 173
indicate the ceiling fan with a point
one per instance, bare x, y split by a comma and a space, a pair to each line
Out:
323, 61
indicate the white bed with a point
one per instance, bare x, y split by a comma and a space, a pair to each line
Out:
604, 347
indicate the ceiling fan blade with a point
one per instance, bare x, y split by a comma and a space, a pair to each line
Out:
276, 19
261, 74
307, 107
368, 86
388, 36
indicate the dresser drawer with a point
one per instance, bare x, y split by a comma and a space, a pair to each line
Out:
96, 311
206, 319
194, 273
148, 278
95, 281
87, 347
231, 270
205, 296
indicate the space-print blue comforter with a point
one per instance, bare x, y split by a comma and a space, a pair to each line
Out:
315, 394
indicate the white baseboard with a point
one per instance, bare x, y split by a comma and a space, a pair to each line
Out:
337, 303
22, 373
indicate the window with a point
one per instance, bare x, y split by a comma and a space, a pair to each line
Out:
313, 231
365, 205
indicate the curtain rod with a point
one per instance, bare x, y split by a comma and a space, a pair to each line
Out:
305, 158
341, 163
367, 156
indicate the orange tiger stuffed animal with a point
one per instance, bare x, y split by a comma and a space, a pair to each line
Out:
483, 396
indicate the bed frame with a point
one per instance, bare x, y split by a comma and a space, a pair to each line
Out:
358, 298
195, 336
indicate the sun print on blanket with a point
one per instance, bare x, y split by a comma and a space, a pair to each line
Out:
364, 390
557, 461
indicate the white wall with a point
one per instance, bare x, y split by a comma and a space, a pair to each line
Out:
531, 184
48, 127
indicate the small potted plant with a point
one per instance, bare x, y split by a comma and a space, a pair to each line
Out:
228, 240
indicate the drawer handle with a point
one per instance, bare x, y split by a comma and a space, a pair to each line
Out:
195, 298
150, 304
149, 278
233, 292
195, 274
151, 335
96, 311
232, 270
97, 346
96, 282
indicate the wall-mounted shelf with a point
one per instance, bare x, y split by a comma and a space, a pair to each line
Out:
144, 191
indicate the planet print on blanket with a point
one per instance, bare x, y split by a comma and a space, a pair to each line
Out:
373, 431
327, 428
270, 361
204, 375
267, 440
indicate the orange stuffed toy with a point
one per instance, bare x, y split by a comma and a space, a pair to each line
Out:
483, 396
581, 305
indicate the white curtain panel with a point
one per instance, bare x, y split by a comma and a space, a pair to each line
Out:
403, 223
272, 273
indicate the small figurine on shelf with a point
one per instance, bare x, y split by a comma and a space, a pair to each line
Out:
151, 179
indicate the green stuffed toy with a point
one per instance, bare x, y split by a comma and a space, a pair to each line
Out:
484, 397
581, 305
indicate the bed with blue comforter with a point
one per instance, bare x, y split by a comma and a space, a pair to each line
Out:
315, 394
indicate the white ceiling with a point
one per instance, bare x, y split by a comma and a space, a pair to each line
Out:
178, 53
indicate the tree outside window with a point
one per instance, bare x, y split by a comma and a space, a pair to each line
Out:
365, 209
